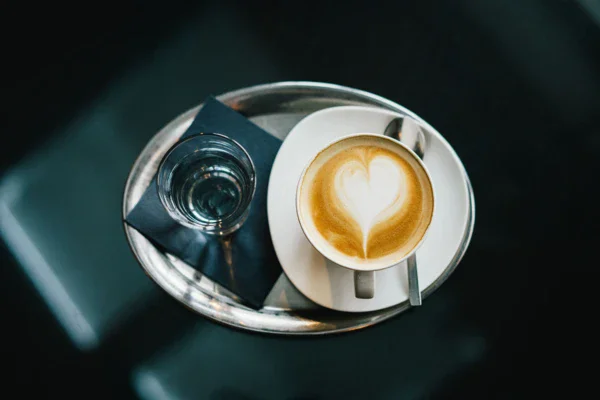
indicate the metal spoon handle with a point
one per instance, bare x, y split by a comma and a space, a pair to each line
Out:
409, 132
414, 293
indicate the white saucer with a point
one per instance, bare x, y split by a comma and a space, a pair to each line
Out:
328, 284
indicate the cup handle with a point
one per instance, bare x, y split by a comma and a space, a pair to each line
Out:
364, 284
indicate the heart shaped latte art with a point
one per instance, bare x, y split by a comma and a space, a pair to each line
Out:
370, 192
367, 202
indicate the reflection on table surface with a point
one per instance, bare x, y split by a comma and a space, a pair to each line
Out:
224, 362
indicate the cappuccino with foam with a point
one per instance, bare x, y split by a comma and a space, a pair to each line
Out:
365, 202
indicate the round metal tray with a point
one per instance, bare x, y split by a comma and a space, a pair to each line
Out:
276, 107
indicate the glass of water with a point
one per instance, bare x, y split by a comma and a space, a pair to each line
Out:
207, 182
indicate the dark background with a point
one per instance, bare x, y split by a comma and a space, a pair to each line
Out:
513, 85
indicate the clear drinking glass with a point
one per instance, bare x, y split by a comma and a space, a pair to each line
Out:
207, 182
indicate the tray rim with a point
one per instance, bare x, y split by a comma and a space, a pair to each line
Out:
247, 92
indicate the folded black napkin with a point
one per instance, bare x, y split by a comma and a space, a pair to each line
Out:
247, 265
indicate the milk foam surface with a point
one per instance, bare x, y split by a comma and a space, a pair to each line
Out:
366, 200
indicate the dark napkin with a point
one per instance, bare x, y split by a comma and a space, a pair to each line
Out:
247, 265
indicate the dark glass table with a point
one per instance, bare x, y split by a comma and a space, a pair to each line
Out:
514, 87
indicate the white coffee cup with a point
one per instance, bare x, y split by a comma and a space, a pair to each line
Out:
371, 193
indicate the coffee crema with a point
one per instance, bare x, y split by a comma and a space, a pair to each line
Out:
368, 198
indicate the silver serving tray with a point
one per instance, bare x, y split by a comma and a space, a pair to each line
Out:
276, 107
